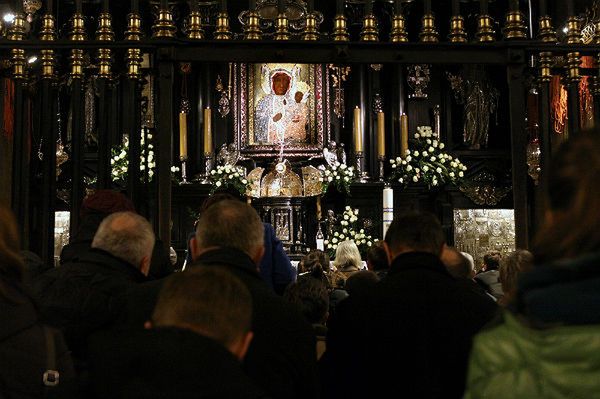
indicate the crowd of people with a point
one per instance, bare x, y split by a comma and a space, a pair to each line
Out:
419, 321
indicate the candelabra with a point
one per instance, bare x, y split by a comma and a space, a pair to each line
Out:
381, 159
195, 30
252, 29
485, 29
428, 31
359, 158
369, 32
282, 27
222, 31
164, 26
398, 33
340, 29
311, 32
515, 25
458, 34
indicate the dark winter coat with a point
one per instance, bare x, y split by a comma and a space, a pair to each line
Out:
418, 318
167, 363
85, 295
23, 352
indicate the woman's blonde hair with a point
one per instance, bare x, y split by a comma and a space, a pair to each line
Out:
347, 255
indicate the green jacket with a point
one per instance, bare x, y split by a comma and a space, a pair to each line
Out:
514, 361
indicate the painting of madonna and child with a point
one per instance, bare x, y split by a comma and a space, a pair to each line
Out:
284, 104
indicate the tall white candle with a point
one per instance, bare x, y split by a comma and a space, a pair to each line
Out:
388, 208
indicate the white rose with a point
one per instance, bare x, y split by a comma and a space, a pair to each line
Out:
460, 174
435, 183
431, 149
424, 153
244, 181
342, 166
415, 179
451, 174
347, 179
407, 152
369, 243
363, 241
335, 240
401, 180
442, 146
408, 158
394, 166
435, 143
346, 217
403, 162
142, 167
425, 168
330, 179
439, 170
213, 172
218, 184
417, 135
428, 141
409, 168
149, 135
416, 153
337, 178
150, 173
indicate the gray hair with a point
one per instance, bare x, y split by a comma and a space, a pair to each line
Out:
347, 255
126, 235
232, 224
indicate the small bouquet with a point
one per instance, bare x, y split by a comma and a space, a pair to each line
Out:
228, 176
338, 174
348, 229
426, 162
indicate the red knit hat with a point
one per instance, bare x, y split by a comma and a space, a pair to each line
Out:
106, 201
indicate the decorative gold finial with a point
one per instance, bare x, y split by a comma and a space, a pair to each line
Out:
458, 34
428, 31
48, 33
164, 26
105, 33
252, 28
485, 29
398, 33
222, 32
547, 34
195, 30
17, 33
282, 27
515, 25
77, 34
573, 59
340, 29
311, 31
369, 31
134, 55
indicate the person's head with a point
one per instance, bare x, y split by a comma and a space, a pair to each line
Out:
376, 257
310, 296
281, 83
361, 282
315, 259
12, 269
471, 261
456, 263
511, 266
414, 232
231, 224
129, 237
491, 260
347, 255
209, 301
105, 202
298, 97
573, 201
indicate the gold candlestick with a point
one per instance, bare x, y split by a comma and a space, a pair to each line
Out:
222, 31
340, 29
369, 32
457, 30
252, 29
428, 32
485, 30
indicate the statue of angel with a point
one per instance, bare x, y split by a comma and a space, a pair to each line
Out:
228, 155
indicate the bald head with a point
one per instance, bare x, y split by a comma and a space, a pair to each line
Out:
128, 236
456, 263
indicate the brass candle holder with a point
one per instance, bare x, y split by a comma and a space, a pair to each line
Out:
195, 30
398, 33
222, 31
209, 161
547, 34
77, 34
369, 31
311, 31
458, 34
340, 29
381, 159
428, 32
485, 29
282, 27
134, 55
359, 158
105, 33
164, 27
515, 26
252, 29
48, 33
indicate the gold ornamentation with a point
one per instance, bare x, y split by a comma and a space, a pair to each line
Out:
398, 33
457, 30
340, 30
369, 32
485, 30
222, 32
195, 30
164, 26
428, 32
515, 26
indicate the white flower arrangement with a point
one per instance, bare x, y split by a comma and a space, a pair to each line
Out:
348, 228
426, 162
228, 176
338, 174
119, 161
